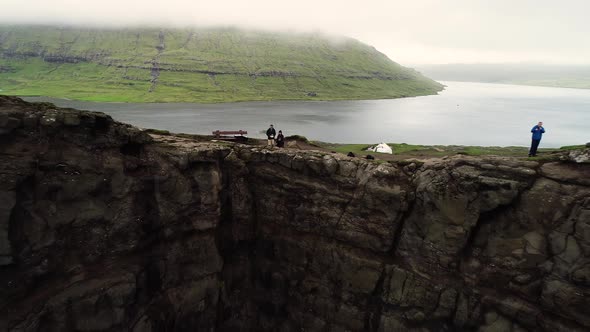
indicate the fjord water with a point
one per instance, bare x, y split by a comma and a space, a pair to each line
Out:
463, 114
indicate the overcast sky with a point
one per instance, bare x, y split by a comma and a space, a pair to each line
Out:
410, 31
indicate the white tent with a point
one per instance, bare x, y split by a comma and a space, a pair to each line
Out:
381, 148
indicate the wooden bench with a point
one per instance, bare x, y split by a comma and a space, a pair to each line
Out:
225, 135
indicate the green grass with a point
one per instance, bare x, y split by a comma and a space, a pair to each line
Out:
398, 149
403, 149
197, 65
572, 147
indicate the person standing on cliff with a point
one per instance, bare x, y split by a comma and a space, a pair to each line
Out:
538, 132
270, 134
280, 139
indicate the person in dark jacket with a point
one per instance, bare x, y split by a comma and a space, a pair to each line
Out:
538, 132
271, 133
280, 139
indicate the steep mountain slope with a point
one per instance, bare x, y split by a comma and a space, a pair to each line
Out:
199, 65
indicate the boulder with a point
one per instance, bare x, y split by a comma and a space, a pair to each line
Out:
8, 124
571, 173
580, 156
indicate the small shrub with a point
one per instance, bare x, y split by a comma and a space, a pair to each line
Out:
297, 138
158, 132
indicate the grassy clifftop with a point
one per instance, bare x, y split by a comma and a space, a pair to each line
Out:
196, 65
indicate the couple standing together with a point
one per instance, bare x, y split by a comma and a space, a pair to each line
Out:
271, 133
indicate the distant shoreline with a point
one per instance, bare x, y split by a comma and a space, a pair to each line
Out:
557, 76
516, 83
39, 98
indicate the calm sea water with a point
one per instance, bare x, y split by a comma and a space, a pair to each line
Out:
463, 114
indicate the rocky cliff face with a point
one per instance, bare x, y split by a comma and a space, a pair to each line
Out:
104, 228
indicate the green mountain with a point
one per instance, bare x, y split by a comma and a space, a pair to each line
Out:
196, 65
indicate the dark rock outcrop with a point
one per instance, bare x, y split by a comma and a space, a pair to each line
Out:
60, 58
103, 227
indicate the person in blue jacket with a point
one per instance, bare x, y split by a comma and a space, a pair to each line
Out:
538, 132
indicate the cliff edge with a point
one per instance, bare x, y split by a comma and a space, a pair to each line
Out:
106, 228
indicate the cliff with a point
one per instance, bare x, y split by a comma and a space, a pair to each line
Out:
105, 228
197, 65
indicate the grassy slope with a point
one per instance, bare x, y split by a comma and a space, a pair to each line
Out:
197, 65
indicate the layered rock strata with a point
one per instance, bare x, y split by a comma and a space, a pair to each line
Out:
105, 228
